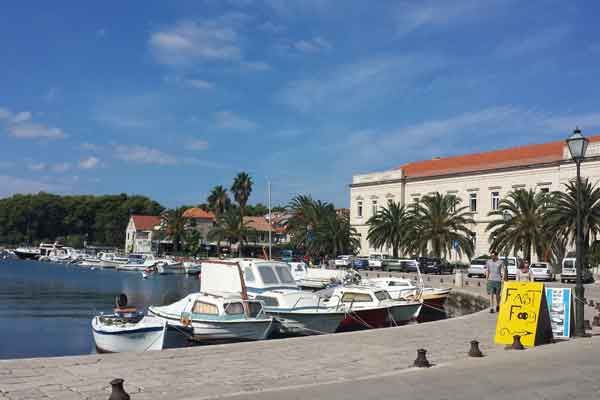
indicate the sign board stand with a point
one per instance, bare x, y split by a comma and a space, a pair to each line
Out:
523, 312
560, 307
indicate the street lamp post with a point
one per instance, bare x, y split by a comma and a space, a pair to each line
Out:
507, 218
577, 144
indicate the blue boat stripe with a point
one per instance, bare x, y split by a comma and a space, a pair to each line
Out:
261, 290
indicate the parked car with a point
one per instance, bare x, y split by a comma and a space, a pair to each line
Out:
511, 265
360, 263
432, 265
343, 261
541, 271
375, 261
477, 267
568, 272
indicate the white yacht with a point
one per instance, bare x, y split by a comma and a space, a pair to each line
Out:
137, 262
405, 289
221, 311
296, 311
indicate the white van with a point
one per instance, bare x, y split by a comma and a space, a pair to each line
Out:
511, 266
568, 272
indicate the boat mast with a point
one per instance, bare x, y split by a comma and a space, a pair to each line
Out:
270, 221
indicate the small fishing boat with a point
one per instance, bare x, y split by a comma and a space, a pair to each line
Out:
127, 330
27, 253
148, 272
369, 307
405, 289
296, 311
220, 312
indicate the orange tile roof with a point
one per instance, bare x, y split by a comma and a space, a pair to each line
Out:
198, 213
261, 224
512, 157
145, 222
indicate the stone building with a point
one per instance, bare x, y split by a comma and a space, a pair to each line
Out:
200, 220
142, 231
480, 180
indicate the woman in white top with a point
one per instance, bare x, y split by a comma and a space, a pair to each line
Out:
524, 274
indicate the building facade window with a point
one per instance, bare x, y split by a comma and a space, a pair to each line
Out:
374, 207
473, 202
359, 209
495, 200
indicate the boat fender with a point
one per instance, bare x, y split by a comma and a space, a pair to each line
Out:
186, 319
121, 300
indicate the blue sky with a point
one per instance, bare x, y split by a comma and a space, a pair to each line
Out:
168, 99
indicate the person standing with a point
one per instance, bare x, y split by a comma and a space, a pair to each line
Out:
524, 274
495, 273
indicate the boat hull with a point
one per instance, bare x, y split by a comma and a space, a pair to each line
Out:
25, 255
380, 317
127, 341
299, 323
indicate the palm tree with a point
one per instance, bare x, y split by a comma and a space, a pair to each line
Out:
524, 229
241, 189
175, 226
441, 224
318, 229
391, 227
218, 200
561, 215
229, 227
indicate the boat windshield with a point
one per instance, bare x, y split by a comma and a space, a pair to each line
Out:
284, 275
382, 295
233, 308
201, 307
356, 297
267, 275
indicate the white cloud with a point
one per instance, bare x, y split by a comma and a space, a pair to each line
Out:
21, 117
414, 15
270, 27
197, 144
19, 125
200, 84
89, 163
32, 130
143, 155
538, 41
313, 45
354, 85
229, 120
90, 146
256, 65
101, 33
566, 123
37, 166
61, 167
189, 41
10, 185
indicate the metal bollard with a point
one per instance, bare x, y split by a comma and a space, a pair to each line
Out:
478, 283
474, 350
516, 345
441, 280
421, 361
118, 392
586, 325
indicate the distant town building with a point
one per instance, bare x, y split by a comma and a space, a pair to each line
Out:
141, 231
260, 236
200, 220
480, 180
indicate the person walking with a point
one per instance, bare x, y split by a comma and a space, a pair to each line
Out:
524, 274
495, 273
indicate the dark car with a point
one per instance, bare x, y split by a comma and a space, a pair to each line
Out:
433, 265
360, 263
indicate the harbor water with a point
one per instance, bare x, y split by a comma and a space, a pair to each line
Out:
46, 309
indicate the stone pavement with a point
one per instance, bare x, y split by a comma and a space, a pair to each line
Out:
257, 367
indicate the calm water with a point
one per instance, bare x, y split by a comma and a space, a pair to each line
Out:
46, 309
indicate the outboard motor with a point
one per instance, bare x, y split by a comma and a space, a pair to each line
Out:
121, 300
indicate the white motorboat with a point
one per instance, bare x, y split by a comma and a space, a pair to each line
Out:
192, 268
405, 289
111, 260
369, 307
127, 330
296, 311
221, 311
27, 253
137, 262
317, 278
167, 266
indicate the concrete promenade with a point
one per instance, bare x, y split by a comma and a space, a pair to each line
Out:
368, 364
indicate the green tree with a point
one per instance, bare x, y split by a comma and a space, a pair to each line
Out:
561, 213
218, 200
241, 189
525, 228
229, 227
175, 227
393, 227
440, 223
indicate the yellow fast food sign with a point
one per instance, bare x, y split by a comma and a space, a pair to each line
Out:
523, 312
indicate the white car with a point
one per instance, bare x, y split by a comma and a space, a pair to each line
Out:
511, 266
375, 261
541, 271
568, 272
477, 267
343, 261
